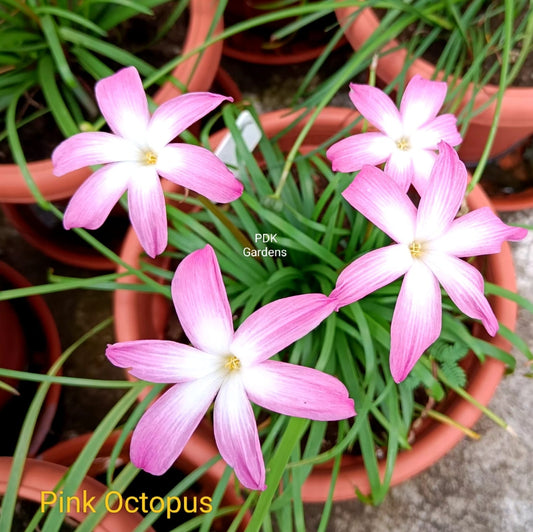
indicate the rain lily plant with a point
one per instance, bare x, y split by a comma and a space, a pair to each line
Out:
136, 153
288, 286
407, 138
233, 367
430, 242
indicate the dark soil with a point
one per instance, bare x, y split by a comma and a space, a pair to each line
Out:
510, 173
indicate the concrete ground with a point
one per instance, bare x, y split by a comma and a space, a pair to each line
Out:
482, 486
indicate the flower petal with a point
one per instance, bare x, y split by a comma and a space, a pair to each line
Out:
122, 100
377, 108
421, 102
275, 326
236, 434
162, 360
443, 195
417, 319
352, 153
297, 391
479, 232
177, 114
201, 302
444, 127
198, 169
167, 425
371, 272
148, 216
383, 202
92, 202
400, 169
86, 149
464, 284
423, 162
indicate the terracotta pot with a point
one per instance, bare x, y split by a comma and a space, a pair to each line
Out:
66, 452
254, 46
42, 476
37, 349
516, 118
197, 77
134, 319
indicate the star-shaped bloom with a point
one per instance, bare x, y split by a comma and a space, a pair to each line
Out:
232, 366
429, 245
136, 153
407, 139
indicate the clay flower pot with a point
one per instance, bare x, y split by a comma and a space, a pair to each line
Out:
516, 117
138, 315
197, 73
42, 476
29, 340
254, 45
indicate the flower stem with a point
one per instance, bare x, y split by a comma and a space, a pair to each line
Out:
221, 215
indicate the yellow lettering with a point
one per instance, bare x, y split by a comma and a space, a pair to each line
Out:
44, 501
206, 505
108, 504
169, 506
76, 501
161, 506
127, 505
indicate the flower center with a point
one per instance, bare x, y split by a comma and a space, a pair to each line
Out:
403, 144
150, 158
415, 248
232, 363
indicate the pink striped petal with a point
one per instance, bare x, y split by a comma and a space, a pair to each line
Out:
371, 272
92, 202
167, 425
201, 302
377, 108
465, 286
352, 153
86, 149
479, 232
423, 162
122, 100
198, 169
383, 202
148, 216
400, 169
298, 391
275, 326
444, 127
443, 195
177, 114
417, 319
162, 361
236, 434
421, 102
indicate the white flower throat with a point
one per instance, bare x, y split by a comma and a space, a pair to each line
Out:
150, 158
403, 144
232, 363
416, 249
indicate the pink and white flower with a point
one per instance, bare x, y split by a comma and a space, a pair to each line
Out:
232, 366
429, 245
136, 153
407, 139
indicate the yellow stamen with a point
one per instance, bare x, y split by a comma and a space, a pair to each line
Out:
403, 144
150, 158
415, 248
232, 363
